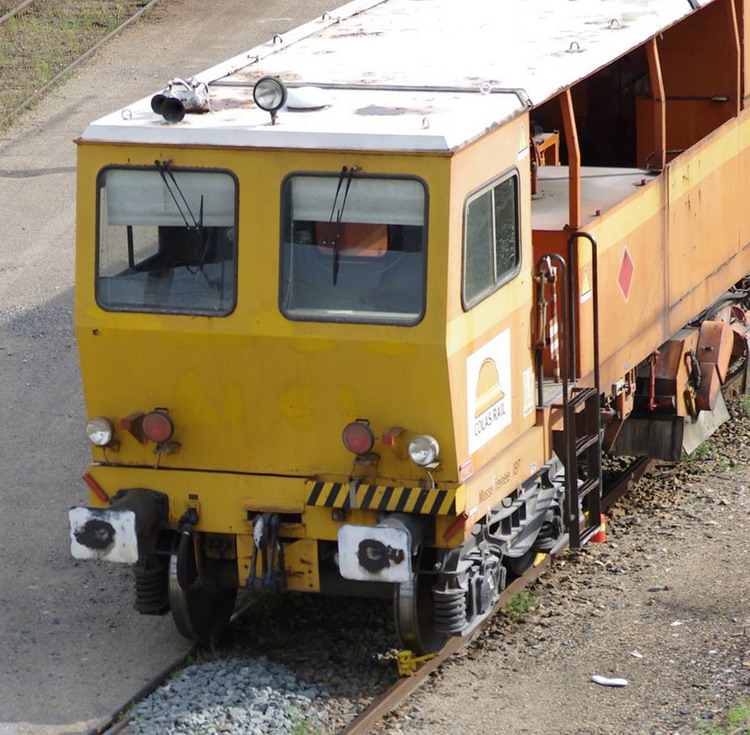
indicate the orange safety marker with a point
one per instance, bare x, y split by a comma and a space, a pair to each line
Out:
96, 488
601, 534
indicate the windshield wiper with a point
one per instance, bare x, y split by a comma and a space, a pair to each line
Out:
197, 226
163, 168
348, 174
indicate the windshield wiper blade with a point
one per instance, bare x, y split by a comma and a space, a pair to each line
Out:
348, 174
163, 168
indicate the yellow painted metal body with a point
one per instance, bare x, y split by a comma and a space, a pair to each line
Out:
259, 401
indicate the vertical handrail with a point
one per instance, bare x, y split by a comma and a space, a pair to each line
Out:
562, 326
564, 333
573, 302
572, 298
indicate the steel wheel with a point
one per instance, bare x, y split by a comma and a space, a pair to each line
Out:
199, 614
414, 610
518, 566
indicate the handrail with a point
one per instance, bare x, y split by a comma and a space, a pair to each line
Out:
572, 298
562, 326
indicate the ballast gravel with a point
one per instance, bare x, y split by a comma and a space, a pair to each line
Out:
662, 604
247, 696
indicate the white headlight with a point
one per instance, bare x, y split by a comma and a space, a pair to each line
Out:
270, 94
424, 450
100, 431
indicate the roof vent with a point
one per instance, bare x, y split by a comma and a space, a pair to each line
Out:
303, 99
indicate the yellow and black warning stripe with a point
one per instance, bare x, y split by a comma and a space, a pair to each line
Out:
383, 497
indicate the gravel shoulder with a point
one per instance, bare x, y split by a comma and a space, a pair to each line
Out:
72, 647
663, 604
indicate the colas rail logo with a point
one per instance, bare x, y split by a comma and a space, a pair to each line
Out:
488, 387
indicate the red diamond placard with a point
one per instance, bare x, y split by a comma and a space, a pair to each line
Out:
625, 274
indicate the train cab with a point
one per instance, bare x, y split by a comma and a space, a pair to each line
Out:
354, 325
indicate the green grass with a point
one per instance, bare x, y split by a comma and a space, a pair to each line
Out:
303, 724
520, 606
45, 38
742, 405
735, 722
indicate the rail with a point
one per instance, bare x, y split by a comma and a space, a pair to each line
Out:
38, 93
117, 720
15, 11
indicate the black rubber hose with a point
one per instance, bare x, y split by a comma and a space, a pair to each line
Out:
186, 562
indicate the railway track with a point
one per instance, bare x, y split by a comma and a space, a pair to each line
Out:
41, 41
616, 487
118, 720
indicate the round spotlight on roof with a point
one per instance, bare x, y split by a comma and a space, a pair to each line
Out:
270, 94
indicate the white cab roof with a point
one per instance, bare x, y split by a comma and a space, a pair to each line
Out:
407, 75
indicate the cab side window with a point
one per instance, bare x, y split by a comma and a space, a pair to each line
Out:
491, 239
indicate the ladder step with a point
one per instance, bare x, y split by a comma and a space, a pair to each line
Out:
582, 395
585, 442
591, 484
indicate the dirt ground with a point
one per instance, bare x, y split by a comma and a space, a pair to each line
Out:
664, 604
71, 646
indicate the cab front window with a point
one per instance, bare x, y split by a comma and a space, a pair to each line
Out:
353, 248
167, 241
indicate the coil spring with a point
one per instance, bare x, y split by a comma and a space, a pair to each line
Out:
151, 590
547, 536
450, 610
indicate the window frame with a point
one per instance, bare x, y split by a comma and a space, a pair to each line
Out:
507, 175
284, 213
98, 224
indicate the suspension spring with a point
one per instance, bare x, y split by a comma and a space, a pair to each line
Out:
450, 610
151, 589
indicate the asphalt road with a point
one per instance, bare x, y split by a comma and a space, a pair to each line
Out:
71, 647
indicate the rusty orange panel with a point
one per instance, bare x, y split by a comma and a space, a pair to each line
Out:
631, 284
694, 57
687, 121
715, 346
744, 168
708, 392
743, 17
703, 192
632, 301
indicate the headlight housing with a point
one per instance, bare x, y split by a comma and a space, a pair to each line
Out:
101, 431
270, 94
424, 450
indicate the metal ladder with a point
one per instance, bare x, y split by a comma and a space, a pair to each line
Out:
581, 446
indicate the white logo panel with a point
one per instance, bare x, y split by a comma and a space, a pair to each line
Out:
488, 390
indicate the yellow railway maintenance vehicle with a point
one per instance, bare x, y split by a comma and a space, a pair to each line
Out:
358, 311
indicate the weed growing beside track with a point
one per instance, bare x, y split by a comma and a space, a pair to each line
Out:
45, 38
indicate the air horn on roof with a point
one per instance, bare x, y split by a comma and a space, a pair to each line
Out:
180, 97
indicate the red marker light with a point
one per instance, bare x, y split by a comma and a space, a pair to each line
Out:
158, 426
358, 437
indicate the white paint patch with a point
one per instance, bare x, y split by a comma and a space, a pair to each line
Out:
386, 552
528, 391
103, 533
488, 391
